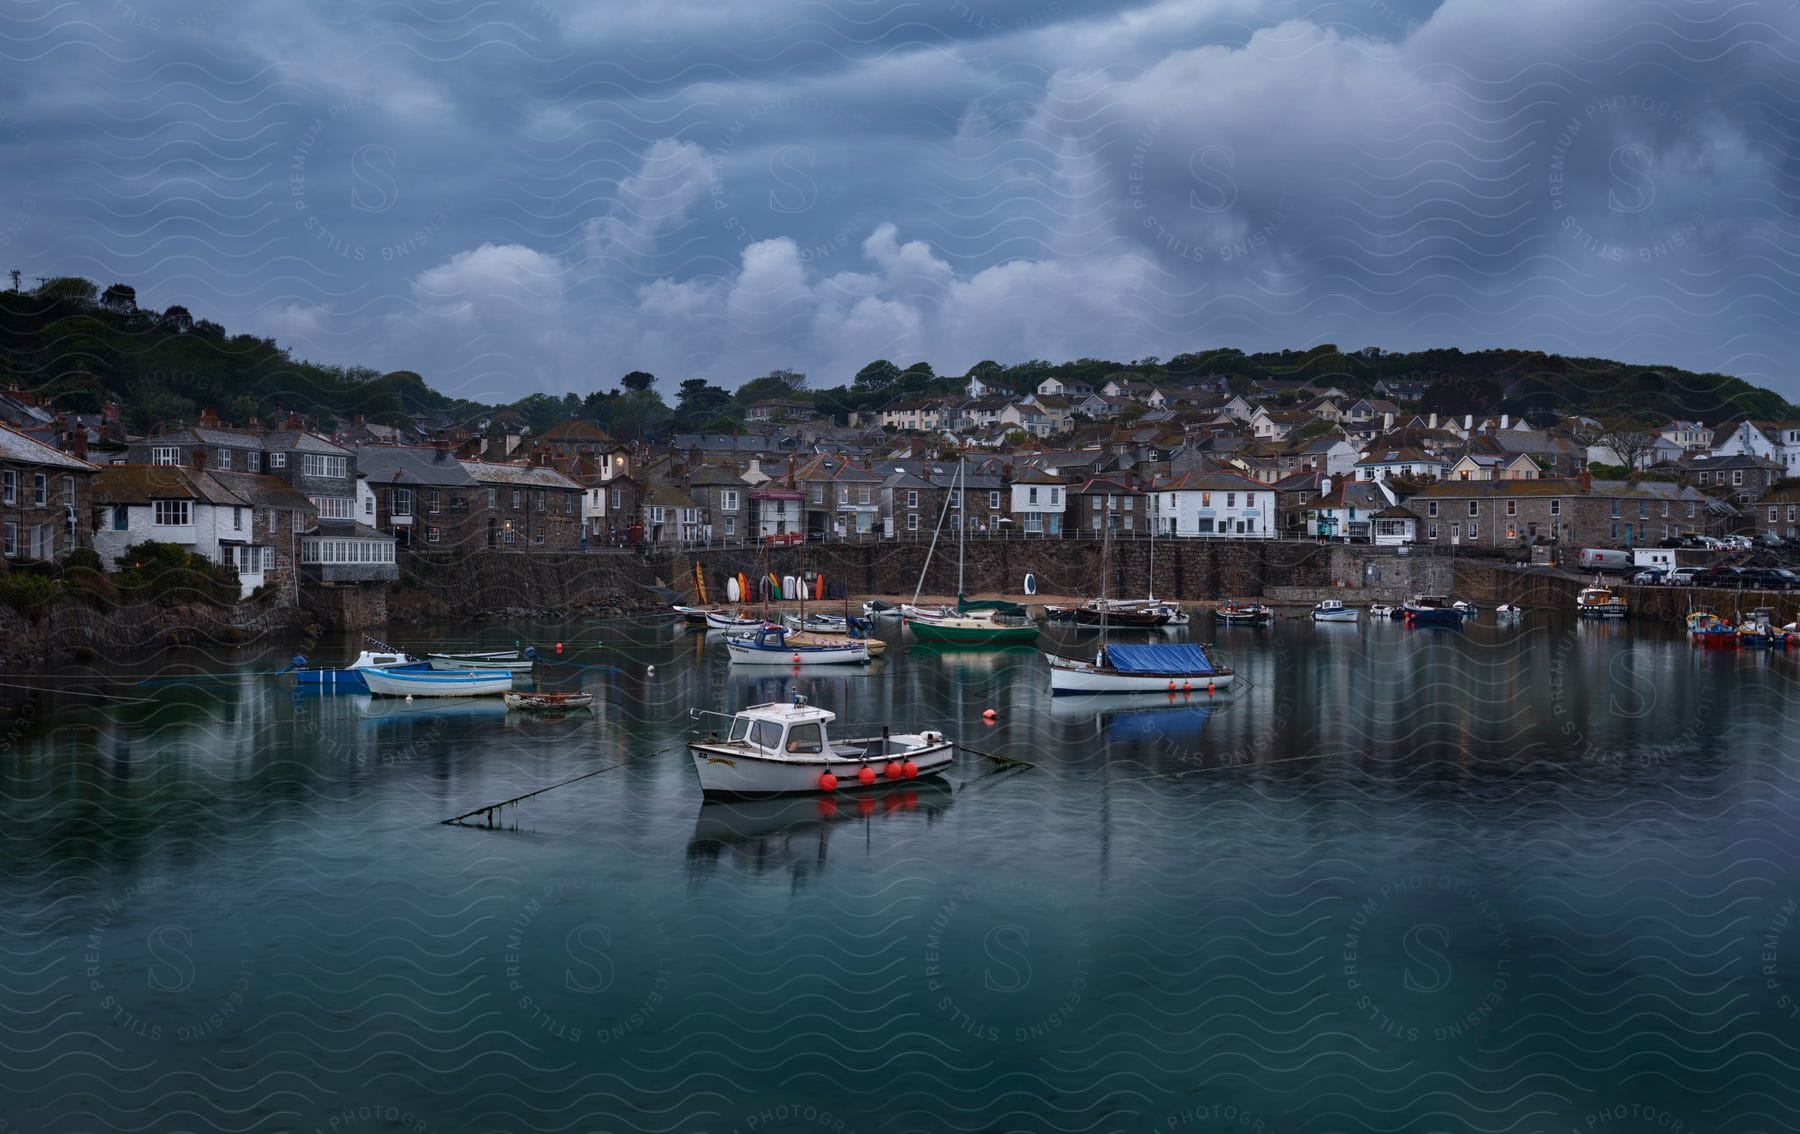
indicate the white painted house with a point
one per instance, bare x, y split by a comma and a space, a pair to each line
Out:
1778, 441
1038, 502
1213, 505
247, 521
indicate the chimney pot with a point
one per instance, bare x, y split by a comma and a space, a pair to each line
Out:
209, 418
78, 443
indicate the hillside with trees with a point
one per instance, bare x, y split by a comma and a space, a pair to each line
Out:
76, 346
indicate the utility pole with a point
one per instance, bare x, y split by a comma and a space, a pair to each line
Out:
15, 274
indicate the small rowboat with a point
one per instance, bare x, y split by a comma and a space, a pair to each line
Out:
506, 660
548, 702
1243, 614
695, 615
720, 620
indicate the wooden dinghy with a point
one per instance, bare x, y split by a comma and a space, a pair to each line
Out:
548, 702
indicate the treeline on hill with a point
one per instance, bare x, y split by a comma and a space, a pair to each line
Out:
76, 346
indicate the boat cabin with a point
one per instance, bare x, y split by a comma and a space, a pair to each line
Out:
369, 659
778, 727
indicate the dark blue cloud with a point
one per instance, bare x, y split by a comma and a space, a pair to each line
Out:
544, 196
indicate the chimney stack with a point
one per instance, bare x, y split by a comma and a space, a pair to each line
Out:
78, 443
442, 445
209, 418
1587, 481
199, 460
293, 421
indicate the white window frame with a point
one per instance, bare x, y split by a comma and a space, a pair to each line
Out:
728, 502
9, 487
172, 513
165, 455
401, 503
278, 460
224, 459
40, 489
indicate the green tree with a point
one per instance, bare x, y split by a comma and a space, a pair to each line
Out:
877, 377
71, 290
638, 381
697, 402
119, 297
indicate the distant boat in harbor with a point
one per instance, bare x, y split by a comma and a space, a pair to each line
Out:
349, 679
1244, 613
1599, 601
1333, 610
1432, 610
512, 661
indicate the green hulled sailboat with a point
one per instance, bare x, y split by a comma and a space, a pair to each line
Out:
984, 623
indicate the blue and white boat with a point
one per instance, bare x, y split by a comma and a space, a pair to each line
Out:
771, 646
438, 683
349, 679
1158, 668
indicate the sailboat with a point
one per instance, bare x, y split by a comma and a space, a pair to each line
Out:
1116, 668
963, 627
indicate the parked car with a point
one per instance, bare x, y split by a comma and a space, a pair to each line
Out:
1723, 577
1767, 578
1650, 576
1684, 576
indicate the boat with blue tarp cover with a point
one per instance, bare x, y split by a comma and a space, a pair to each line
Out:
1155, 668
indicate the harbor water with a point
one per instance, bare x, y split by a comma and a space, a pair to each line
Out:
1538, 877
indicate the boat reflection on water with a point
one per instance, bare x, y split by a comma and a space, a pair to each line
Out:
974, 659
794, 833
1141, 716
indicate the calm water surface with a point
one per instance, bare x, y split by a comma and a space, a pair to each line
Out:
1539, 878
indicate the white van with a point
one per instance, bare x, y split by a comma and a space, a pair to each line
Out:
1600, 559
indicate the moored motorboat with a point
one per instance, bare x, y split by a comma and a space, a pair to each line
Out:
1122, 614
1758, 629
1333, 610
1600, 601
1432, 610
784, 748
1157, 668
349, 679
1706, 628
695, 615
1508, 610
548, 702
1383, 610
436, 683
771, 645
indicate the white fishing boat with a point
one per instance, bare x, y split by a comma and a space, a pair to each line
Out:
695, 615
1333, 610
784, 748
467, 683
1508, 610
817, 623
1160, 668
509, 661
770, 645
1383, 610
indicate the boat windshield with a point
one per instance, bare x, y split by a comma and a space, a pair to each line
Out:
740, 728
805, 738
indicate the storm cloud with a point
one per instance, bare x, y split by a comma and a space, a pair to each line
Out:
546, 196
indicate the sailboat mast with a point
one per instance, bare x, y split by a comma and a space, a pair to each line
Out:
962, 521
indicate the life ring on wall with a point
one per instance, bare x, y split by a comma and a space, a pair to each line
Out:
1030, 584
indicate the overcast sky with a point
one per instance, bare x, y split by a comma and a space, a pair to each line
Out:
545, 195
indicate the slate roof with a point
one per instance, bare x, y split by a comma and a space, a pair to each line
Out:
518, 476
140, 484
410, 465
16, 448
